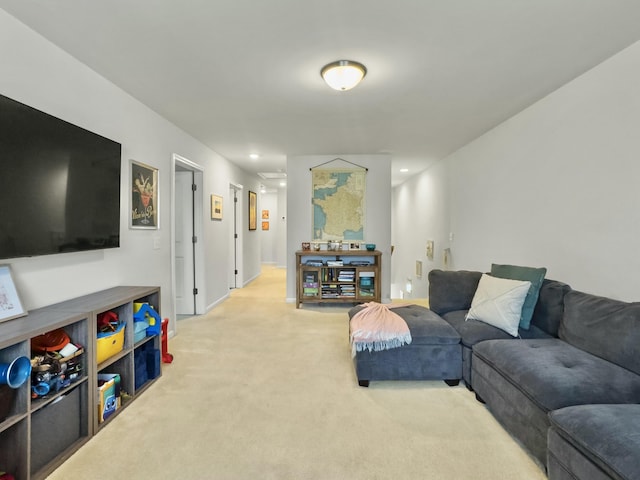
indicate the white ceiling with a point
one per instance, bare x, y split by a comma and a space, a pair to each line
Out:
242, 76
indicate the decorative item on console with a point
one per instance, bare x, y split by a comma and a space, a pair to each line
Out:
334, 245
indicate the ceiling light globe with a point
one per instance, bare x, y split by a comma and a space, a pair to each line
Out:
343, 75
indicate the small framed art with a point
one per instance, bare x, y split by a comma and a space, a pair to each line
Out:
216, 207
144, 196
10, 304
253, 210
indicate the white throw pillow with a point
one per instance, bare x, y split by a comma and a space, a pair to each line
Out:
498, 302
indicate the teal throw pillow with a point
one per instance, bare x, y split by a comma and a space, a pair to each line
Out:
529, 274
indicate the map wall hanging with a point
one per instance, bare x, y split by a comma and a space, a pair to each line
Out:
338, 203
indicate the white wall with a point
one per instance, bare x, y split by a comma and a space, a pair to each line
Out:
218, 233
554, 186
377, 214
36, 72
420, 212
268, 238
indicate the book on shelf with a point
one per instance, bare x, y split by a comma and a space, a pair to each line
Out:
346, 275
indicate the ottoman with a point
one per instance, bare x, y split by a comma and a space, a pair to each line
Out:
594, 442
435, 352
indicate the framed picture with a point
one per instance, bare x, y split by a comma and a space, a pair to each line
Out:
265, 214
265, 225
144, 196
10, 304
216, 207
253, 210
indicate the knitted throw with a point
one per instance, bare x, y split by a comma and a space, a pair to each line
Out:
375, 327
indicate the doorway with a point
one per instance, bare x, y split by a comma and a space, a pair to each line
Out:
188, 252
235, 240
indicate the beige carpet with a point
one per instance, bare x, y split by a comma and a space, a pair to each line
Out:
261, 390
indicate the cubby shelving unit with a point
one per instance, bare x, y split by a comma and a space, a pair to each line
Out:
40, 433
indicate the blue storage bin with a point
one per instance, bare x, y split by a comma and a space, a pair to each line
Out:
146, 364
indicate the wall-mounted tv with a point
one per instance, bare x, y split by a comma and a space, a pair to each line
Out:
59, 185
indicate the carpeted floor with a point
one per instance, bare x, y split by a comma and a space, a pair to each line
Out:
261, 390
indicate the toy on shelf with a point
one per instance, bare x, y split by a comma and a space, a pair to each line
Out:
145, 313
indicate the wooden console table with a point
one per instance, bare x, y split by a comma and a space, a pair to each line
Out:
337, 276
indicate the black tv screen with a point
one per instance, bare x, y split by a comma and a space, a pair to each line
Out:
59, 185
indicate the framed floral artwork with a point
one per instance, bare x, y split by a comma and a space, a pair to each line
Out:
253, 210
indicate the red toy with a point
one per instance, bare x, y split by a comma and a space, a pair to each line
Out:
166, 356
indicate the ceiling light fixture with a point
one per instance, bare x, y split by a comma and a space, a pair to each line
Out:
254, 156
343, 74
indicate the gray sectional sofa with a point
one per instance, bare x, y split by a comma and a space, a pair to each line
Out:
567, 388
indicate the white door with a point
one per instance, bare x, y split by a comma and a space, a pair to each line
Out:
233, 239
184, 244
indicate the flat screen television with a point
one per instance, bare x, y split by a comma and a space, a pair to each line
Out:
59, 185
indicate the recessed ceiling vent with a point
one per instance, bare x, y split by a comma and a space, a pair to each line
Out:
272, 175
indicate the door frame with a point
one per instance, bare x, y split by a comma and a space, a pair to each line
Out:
198, 209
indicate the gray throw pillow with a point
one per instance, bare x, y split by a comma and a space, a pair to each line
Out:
528, 274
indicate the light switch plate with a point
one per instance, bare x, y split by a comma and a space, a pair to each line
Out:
430, 249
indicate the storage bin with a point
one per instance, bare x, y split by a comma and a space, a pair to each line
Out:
108, 344
146, 364
56, 427
7, 394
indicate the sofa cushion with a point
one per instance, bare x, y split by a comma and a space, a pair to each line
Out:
604, 327
606, 435
475, 331
452, 290
530, 274
426, 327
550, 306
554, 374
546, 318
498, 302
